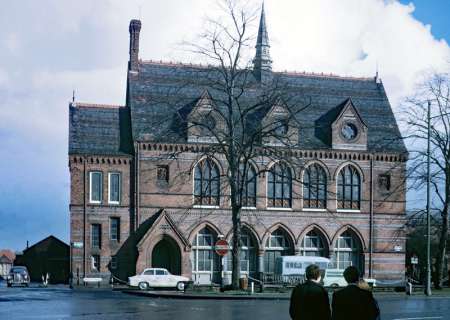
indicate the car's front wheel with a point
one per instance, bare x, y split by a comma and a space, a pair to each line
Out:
143, 286
181, 286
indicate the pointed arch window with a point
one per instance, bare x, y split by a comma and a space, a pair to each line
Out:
206, 183
315, 187
248, 194
349, 189
278, 244
348, 252
313, 244
279, 186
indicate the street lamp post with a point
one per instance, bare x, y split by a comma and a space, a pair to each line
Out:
428, 287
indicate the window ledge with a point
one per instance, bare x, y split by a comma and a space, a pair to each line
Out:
205, 207
95, 202
248, 208
279, 209
114, 203
314, 209
349, 210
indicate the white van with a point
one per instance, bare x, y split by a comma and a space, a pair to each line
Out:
292, 268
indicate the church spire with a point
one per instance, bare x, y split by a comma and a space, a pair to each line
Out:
262, 63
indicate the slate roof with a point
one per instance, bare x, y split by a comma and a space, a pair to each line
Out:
160, 92
99, 129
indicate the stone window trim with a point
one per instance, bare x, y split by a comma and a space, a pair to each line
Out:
99, 192
119, 191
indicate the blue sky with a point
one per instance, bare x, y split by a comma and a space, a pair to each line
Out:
50, 47
434, 12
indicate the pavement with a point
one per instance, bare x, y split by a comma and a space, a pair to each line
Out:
60, 302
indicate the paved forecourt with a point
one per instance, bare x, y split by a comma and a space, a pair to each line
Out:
63, 303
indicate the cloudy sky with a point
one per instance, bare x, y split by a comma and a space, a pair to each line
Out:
50, 47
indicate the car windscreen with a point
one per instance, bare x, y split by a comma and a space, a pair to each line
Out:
18, 269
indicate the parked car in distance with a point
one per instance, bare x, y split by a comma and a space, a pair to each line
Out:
158, 278
18, 275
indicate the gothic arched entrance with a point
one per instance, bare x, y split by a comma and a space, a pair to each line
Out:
166, 254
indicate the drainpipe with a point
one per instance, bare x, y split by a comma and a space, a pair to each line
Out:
84, 216
371, 219
136, 185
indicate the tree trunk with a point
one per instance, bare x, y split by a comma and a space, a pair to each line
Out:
440, 259
236, 252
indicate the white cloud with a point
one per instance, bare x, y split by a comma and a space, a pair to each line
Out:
58, 46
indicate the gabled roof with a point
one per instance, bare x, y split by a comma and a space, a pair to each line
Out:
160, 92
344, 106
44, 243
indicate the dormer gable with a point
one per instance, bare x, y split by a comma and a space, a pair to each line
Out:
278, 126
203, 121
349, 131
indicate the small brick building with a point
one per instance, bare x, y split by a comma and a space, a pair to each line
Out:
132, 209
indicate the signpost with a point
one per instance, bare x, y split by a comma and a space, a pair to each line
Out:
222, 247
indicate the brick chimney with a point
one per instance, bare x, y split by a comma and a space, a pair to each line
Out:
135, 29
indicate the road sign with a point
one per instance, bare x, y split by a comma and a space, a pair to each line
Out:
77, 245
222, 247
398, 248
414, 260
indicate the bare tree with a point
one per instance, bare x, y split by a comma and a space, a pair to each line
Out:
436, 90
245, 112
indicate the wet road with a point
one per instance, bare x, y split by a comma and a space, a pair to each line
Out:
62, 303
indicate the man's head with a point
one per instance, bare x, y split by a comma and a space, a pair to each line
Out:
312, 272
351, 274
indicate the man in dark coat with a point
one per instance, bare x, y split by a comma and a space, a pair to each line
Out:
309, 301
352, 302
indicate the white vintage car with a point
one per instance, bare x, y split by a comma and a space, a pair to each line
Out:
158, 278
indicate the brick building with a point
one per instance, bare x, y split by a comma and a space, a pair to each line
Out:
132, 209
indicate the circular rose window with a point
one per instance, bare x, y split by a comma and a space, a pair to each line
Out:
349, 131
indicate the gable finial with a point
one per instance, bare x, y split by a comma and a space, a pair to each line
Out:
262, 63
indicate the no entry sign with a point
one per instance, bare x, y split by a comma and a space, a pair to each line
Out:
222, 247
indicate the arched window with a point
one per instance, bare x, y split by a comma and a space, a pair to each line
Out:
205, 260
277, 245
349, 189
280, 186
248, 254
206, 183
313, 244
315, 187
248, 194
348, 252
